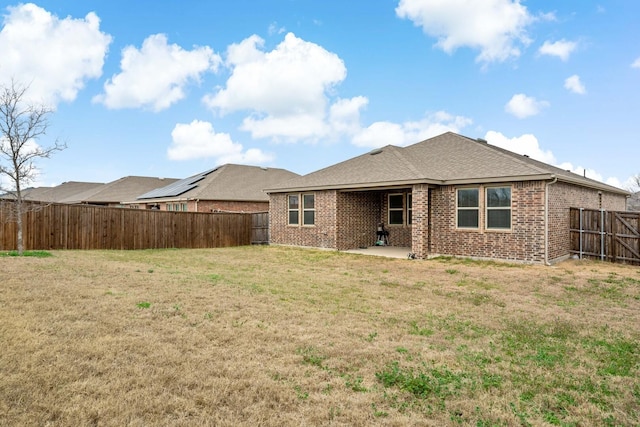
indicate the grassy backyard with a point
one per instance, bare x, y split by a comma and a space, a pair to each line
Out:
275, 336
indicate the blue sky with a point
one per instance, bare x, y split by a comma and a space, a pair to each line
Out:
173, 88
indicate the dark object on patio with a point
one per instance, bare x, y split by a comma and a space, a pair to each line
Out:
382, 236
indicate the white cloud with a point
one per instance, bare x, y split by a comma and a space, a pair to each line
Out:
380, 134
344, 115
291, 79
522, 106
30, 147
156, 75
274, 28
55, 57
526, 145
573, 84
636, 63
495, 27
286, 91
561, 49
198, 140
589, 173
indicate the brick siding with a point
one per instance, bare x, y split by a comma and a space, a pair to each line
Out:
213, 206
321, 235
563, 196
524, 242
347, 220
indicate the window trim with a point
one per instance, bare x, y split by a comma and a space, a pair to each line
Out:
487, 208
400, 209
409, 203
304, 209
300, 210
468, 208
289, 210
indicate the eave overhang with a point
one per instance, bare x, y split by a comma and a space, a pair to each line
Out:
388, 185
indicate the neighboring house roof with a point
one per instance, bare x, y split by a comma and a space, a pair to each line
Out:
227, 182
31, 193
442, 160
120, 190
61, 192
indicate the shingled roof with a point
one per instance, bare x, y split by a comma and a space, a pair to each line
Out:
120, 190
60, 192
442, 160
227, 182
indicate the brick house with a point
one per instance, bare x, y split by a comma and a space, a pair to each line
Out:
447, 195
226, 188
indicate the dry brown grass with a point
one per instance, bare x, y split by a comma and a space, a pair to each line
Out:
275, 336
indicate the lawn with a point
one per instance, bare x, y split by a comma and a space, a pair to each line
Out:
276, 336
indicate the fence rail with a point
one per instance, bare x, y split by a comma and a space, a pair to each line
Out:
605, 235
58, 226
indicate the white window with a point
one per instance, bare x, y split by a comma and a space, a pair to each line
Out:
396, 209
498, 208
294, 209
467, 207
305, 211
308, 209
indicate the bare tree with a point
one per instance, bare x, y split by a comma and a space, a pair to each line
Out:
21, 124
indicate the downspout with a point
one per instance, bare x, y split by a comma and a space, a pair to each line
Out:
546, 220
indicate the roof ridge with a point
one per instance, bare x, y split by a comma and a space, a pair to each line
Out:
399, 152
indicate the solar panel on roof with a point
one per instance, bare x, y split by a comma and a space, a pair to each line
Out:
176, 188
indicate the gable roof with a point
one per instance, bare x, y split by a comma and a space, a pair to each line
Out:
120, 190
227, 182
446, 159
61, 192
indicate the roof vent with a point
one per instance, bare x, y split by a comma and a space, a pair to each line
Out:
484, 141
264, 168
526, 155
376, 151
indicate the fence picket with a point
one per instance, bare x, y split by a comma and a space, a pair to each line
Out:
59, 226
606, 235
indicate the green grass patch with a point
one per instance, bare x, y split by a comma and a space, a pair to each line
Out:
424, 382
35, 254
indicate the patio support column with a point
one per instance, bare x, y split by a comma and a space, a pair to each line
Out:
420, 221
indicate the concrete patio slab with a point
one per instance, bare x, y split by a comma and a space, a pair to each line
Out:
385, 251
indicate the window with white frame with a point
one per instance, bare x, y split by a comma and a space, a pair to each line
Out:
308, 209
302, 209
498, 206
468, 207
294, 209
409, 208
396, 209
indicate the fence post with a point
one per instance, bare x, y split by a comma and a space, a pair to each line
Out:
602, 233
580, 234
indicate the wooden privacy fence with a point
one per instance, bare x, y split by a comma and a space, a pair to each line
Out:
57, 226
606, 235
260, 228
